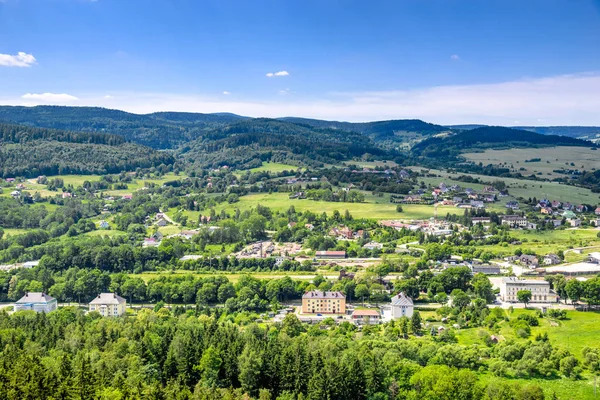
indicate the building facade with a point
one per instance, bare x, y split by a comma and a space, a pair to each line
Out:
35, 301
317, 302
402, 306
540, 290
108, 305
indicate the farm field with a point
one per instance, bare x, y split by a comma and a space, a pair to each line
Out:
522, 187
275, 167
376, 207
551, 158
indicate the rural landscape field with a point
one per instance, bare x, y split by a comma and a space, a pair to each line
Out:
388, 200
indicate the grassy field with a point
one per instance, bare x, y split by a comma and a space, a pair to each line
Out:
13, 232
551, 159
275, 167
373, 207
523, 188
372, 164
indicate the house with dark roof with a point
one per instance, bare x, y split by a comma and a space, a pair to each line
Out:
36, 301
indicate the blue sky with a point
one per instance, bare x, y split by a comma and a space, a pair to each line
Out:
504, 62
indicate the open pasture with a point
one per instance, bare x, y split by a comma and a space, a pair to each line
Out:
551, 158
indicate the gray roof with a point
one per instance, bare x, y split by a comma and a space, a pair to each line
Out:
317, 294
401, 300
108, 298
512, 279
35, 297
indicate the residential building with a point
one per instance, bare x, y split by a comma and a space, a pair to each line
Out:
402, 306
103, 225
481, 220
514, 221
161, 222
513, 205
373, 246
150, 242
330, 254
594, 257
546, 210
108, 305
484, 269
574, 222
597, 211
366, 316
540, 290
551, 259
317, 302
36, 301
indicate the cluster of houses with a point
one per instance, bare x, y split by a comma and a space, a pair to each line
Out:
436, 228
533, 261
468, 198
318, 302
107, 304
567, 211
344, 233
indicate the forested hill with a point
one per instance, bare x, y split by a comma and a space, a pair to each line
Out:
162, 130
581, 132
30, 152
490, 137
248, 143
392, 130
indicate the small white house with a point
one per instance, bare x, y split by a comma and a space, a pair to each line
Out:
36, 301
402, 306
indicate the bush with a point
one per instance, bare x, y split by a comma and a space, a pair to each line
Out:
530, 319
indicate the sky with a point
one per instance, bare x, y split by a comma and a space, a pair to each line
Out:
502, 62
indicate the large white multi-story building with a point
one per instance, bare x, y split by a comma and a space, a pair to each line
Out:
108, 305
540, 290
36, 301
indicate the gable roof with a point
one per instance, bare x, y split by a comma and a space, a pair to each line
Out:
317, 294
108, 298
35, 297
402, 300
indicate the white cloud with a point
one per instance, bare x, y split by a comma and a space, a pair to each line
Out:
108, 97
41, 98
278, 73
454, 57
225, 92
20, 59
557, 100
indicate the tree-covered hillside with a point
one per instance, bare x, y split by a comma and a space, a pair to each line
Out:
487, 138
163, 130
31, 152
249, 143
382, 131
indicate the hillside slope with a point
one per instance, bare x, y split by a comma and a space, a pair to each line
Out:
248, 143
490, 137
30, 152
164, 130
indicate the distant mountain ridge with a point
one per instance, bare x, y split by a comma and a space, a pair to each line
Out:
583, 132
489, 137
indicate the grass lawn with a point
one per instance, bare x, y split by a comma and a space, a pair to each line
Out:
523, 188
578, 331
551, 158
275, 167
13, 231
375, 207
105, 232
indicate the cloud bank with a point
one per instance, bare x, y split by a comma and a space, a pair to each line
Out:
278, 73
20, 59
50, 97
557, 100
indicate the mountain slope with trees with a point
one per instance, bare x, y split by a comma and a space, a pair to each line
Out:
249, 143
490, 137
30, 152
